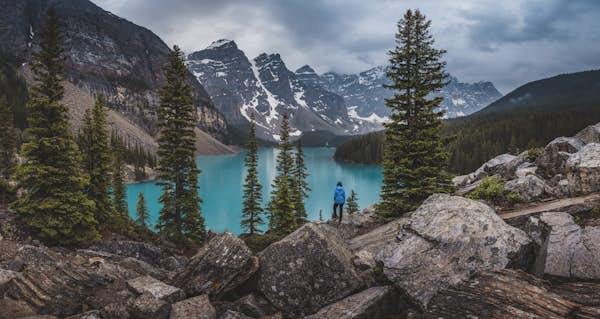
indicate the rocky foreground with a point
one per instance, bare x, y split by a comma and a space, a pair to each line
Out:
453, 257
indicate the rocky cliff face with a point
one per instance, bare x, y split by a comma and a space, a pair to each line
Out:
266, 87
105, 54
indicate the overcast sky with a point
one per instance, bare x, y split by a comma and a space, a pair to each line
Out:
507, 42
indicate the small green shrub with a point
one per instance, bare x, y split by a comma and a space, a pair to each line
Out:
492, 190
534, 153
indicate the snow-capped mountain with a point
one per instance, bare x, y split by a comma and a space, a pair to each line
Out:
365, 95
265, 86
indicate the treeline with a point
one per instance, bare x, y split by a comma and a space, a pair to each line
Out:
481, 136
134, 154
14, 89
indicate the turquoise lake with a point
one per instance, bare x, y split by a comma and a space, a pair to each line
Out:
222, 178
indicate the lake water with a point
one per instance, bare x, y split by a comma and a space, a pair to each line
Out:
222, 178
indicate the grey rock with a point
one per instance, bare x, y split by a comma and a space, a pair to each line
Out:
148, 306
11, 309
219, 267
590, 134
583, 170
375, 302
173, 263
525, 169
94, 314
35, 255
445, 241
307, 270
254, 305
367, 246
230, 314
586, 257
198, 307
555, 155
156, 288
529, 188
6, 276
356, 223
500, 165
135, 249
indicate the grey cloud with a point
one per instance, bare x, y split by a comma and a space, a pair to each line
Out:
508, 42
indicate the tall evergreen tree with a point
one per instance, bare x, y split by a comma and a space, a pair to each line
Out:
8, 145
97, 160
252, 210
142, 215
54, 204
415, 160
121, 220
180, 218
300, 185
282, 218
352, 203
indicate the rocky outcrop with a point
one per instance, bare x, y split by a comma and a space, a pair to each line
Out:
307, 270
148, 306
138, 250
375, 302
445, 241
590, 134
529, 188
218, 268
367, 246
357, 223
565, 249
556, 153
583, 170
502, 165
194, 308
230, 314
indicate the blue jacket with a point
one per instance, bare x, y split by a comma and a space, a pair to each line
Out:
339, 196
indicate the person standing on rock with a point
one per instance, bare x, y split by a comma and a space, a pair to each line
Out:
339, 198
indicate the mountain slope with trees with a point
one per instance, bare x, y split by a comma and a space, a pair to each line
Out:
528, 117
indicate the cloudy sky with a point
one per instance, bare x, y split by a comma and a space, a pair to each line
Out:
507, 42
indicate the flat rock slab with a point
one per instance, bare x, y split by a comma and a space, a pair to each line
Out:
198, 307
375, 302
148, 306
446, 241
308, 269
156, 288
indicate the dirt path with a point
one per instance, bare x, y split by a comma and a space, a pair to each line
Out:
548, 206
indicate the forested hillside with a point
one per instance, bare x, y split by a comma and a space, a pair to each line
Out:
530, 116
13, 88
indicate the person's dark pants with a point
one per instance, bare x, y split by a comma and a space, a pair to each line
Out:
341, 206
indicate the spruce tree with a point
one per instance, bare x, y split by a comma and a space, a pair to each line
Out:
54, 205
282, 218
142, 215
121, 220
180, 219
252, 205
300, 185
8, 145
352, 203
95, 147
415, 159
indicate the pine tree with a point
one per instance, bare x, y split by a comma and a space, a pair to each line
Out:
95, 147
54, 205
352, 203
300, 185
282, 219
8, 145
180, 218
252, 210
415, 159
121, 220
142, 212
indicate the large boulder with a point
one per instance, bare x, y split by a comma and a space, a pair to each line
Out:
156, 288
529, 188
375, 302
219, 267
445, 241
365, 247
148, 306
230, 314
564, 248
583, 170
138, 250
308, 269
198, 307
500, 165
357, 223
590, 134
554, 158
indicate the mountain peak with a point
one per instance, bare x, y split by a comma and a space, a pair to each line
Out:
305, 69
222, 43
